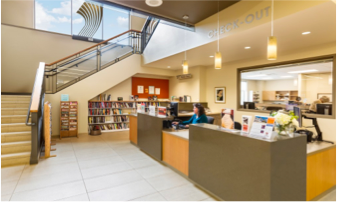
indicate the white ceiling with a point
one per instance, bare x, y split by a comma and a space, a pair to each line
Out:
283, 73
319, 20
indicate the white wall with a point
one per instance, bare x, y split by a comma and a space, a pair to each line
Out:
315, 86
274, 85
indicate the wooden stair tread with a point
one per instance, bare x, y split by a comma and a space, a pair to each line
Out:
15, 143
16, 155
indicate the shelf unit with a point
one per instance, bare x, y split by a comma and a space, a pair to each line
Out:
101, 112
281, 95
256, 96
68, 119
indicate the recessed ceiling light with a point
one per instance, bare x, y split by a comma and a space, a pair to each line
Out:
247, 47
154, 3
267, 78
305, 33
303, 71
168, 66
212, 56
286, 76
257, 75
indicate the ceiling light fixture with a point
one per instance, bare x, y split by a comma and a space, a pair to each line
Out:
303, 71
168, 66
154, 3
286, 76
211, 56
305, 33
247, 47
218, 57
185, 63
256, 75
272, 41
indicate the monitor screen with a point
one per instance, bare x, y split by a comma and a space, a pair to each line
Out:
325, 109
249, 105
297, 112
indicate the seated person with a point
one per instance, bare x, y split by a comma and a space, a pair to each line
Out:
298, 101
321, 100
199, 116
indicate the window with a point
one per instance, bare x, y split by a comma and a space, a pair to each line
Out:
61, 16
281, 87
53, 16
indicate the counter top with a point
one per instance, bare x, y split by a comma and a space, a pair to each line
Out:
155, 115
315, 147
179, 133
192, 113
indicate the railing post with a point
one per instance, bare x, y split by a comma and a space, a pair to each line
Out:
98, 58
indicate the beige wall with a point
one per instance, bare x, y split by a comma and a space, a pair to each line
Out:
315, 86
22, 51
88, 88
18, 12
194, 87
287, 84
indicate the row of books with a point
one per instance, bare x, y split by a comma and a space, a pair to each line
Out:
115, 126
110, 105
105, 112
108, 119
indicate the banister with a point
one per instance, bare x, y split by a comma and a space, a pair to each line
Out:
37, 89
131, 30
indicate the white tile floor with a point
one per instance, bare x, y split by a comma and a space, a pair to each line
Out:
99, 168
106, 168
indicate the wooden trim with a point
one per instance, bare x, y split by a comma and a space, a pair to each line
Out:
35, 100
127, 101
131, 30
330, 56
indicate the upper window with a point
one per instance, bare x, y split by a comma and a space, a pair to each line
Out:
63, 16
53, 16
306, 85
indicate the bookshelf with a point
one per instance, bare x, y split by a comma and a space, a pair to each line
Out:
69, 119
113, 116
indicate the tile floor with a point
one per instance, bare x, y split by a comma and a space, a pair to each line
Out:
99, 168
106, 168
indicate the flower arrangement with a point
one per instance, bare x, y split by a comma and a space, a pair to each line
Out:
284, 121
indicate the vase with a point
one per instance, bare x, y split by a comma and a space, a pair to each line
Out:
281, 130
290, 129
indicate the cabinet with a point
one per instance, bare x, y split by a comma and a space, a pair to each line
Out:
268, 95
280, 95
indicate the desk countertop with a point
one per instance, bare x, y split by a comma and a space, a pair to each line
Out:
315, 147
191, 114
179, 133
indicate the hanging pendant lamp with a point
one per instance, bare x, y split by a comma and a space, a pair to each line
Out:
272, 41
185, 63
218, 57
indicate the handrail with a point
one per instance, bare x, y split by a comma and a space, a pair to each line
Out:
36, 92
131, 30
35, 99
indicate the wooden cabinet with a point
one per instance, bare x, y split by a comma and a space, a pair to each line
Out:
133, 129
175, 152
69, 119
321, 172
268, 95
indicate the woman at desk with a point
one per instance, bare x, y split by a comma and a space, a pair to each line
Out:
199, 116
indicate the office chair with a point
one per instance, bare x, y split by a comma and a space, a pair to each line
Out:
210, 119
237, 125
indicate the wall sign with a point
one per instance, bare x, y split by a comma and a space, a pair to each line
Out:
64, 97
258, 15
140, 89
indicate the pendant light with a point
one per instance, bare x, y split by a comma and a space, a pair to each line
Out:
272, 41
185, 63
217, 57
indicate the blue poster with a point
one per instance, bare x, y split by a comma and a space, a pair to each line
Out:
64, 97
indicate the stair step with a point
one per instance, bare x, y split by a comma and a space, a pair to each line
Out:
16, 136
14, 104
14, 127
13, 119
15, 147
15, 159
14, 111
15, 97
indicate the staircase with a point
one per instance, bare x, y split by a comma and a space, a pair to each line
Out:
15, 135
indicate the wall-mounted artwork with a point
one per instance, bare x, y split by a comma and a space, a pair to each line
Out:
220, 95
151, 90
140, 89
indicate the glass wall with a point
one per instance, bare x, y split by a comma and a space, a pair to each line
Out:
307, 85
63, 16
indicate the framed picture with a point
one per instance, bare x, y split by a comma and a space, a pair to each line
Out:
329, 95
157, 91
140, 89
151, 90
220, 95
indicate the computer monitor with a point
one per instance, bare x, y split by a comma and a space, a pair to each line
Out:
174, 109
325, 109
249, 105
298, 112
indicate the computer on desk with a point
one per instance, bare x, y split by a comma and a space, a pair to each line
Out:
249, 105
325, 109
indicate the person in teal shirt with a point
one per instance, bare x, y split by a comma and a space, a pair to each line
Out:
199, 116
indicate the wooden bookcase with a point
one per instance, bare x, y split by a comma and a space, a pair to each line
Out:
68, 119
281, 95
112, 116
